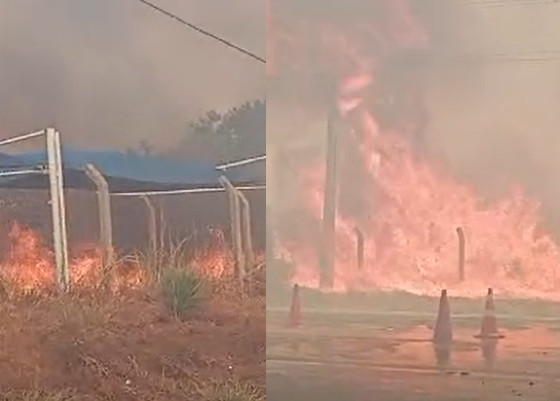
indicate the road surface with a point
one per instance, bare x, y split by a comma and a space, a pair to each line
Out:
356, 361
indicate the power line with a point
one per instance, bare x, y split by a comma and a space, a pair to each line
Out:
484, 3
497, 3
203, 31
503, 57
491, 3
503, 60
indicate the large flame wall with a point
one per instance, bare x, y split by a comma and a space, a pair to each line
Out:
408, 205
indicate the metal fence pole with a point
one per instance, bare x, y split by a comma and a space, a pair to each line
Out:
152, 226
247, 231
359, 248
236, 228
54, 154
105, 218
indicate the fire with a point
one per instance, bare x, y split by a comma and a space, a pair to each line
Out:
27, 250
411, 239
28, 265
415, 207
215, 260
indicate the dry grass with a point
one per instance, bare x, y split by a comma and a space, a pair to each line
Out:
124, 345
235, 391
37, 396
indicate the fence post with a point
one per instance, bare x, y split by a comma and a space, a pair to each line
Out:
247, 231
152, 225
60, 235
235, 228
359, 248
105, 218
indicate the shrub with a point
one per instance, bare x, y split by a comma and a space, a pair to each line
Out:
182, 289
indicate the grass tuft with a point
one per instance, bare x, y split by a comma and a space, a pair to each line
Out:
182, 289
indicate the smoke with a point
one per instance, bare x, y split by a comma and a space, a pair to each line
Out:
112, 73
494, 119
493, 122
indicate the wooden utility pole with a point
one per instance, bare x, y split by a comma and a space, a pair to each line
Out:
327, 256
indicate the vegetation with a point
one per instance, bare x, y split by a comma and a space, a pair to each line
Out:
37, 396
221, 137
235, 391
94, 344
183, 290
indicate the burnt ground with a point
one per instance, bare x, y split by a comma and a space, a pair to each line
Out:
128, 347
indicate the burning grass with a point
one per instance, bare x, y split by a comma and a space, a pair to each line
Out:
114, 336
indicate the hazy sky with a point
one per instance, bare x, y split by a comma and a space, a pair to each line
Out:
110, 73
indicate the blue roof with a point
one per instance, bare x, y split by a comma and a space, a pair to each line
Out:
124, 171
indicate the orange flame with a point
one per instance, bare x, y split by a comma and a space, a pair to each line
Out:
29, 264
411, 241
215, 260
27, 250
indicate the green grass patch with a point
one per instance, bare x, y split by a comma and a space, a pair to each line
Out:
183, 290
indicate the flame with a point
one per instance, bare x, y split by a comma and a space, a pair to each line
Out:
214, 260
26, 249
28, 264
415, 207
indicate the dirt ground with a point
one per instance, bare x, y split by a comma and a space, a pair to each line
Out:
128, 347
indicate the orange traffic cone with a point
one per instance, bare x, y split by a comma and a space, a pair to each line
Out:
295, 309
489, 326
443, 333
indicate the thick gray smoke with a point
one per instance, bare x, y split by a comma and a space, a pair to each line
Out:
496, 121
493, 119
110, 73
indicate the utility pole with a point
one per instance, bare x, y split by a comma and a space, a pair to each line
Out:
328, 243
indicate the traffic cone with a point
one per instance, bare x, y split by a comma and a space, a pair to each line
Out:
489, 326
295, 309
443, 332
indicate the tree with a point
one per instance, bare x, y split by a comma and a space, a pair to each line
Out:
236, 134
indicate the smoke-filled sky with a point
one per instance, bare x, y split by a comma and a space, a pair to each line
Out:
110, 73
491, 122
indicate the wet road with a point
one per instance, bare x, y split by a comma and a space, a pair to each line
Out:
298, 381
363, 362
